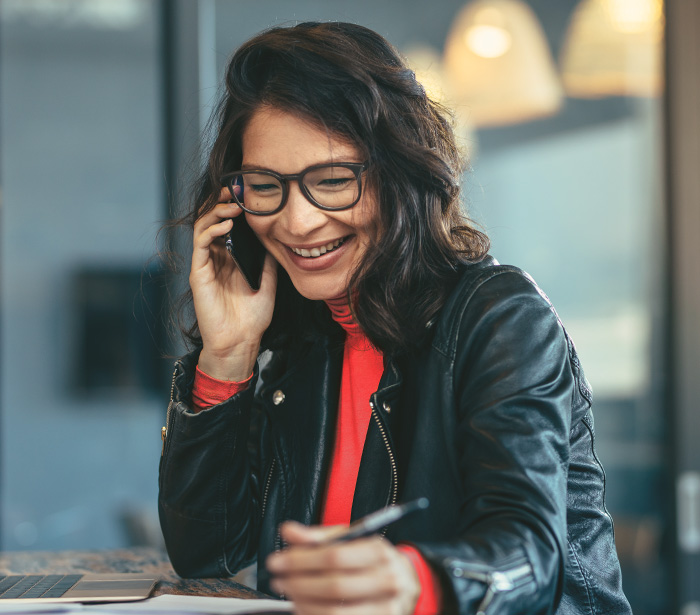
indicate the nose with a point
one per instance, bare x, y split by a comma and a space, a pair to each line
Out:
301, 217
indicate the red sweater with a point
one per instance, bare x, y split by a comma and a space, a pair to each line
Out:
362, 369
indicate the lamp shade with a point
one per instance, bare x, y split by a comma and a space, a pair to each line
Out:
498, 64
614, 48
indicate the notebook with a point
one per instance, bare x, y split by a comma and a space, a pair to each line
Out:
75, 587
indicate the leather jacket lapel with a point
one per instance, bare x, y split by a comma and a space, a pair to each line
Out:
377, 480
302, 410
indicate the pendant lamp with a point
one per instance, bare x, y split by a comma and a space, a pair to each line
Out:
614, 48
499, 66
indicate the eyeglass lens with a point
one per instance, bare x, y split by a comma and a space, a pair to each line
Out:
332, 187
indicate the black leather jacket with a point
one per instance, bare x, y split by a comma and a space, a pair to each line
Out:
491, 420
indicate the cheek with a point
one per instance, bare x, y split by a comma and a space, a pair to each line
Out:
260, 225
365, 219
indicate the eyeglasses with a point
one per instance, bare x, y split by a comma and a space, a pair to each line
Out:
333, 187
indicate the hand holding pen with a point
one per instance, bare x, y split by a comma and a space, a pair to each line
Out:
372, 523
323, 567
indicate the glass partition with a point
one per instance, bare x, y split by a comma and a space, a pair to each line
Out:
80, 166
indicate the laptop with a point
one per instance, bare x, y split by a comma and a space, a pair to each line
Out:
28, 588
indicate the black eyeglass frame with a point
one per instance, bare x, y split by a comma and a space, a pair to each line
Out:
358, 168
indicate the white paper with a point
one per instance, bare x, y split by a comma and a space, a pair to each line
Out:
168, 603
36, 607
193, 605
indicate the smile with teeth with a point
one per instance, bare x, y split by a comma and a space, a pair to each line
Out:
319, 250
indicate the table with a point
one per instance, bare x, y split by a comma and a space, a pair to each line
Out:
141, 559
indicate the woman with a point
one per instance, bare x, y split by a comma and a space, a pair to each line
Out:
385, 358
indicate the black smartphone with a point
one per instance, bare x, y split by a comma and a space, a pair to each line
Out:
246, 251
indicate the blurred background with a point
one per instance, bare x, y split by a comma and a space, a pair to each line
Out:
579, 119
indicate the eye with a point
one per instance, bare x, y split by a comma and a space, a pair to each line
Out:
263, 187
261, 184
331, 179
334, 182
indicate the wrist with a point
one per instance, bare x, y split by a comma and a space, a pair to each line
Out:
414, 589
234, 365
428, 600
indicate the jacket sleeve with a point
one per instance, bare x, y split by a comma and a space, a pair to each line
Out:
513, 386
208, 482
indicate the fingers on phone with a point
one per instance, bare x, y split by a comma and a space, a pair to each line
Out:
220, 213
209, 234
224, 226
225, 203
225, 195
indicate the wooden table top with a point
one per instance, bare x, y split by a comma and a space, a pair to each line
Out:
140, 559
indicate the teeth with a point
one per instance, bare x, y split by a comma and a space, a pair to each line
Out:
316, 252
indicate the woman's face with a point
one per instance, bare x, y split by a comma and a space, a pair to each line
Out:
287, 144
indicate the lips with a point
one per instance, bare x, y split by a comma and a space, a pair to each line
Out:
317, 251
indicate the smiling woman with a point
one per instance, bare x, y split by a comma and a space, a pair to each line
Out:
404, 362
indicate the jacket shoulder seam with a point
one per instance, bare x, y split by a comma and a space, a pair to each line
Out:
459, 301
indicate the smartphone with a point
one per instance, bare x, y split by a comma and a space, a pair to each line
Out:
246, 251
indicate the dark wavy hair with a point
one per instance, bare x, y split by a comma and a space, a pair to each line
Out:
351, 82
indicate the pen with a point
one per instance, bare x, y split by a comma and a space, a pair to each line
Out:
375, 521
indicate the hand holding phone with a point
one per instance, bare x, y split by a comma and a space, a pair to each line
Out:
230, 316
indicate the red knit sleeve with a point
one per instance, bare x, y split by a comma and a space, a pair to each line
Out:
430, 599
208, 391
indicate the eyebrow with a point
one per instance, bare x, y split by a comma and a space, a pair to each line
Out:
255, 167
260, 167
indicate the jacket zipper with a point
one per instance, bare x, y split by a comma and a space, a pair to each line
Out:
394, 472
267, 487
164, 429
496, 581
278, 539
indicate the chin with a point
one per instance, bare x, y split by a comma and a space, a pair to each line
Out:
319, 291
320, 295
